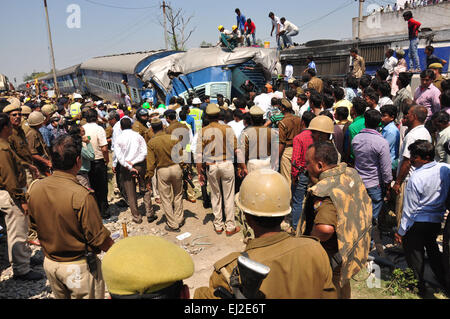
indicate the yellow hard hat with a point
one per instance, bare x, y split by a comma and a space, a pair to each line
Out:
265, 193
234, 27
322, 123
220, 27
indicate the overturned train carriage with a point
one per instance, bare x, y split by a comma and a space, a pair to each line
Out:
210, 71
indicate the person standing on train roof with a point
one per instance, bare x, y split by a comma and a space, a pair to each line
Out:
240, 20
413, 34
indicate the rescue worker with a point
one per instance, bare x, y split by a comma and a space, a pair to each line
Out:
170, 175
216, 146
197, 113
14, 206
438, 79
338, 211
69, 226
140, 125
322, 129
75, 107
38, 149
299, 267
288, 128
158, 275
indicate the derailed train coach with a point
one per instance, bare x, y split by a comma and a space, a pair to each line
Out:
203, 72
69, 80
332, 57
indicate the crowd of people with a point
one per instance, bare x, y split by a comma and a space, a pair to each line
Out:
302, 157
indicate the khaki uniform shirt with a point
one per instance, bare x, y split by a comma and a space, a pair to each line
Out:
359, 67
299, 268
438, 82
159, 152
25, 126
144, 131
12, 175
109, 132
19, 145
251, 142
36, 143
289, 127
66, 216
316, 84
213, 144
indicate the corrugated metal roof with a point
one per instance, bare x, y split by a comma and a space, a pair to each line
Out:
121, 63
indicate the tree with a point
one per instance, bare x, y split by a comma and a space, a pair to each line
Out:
177, 25
33, 76
206, 44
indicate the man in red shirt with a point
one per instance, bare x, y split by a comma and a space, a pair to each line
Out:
413, 33
249, 30
299, 177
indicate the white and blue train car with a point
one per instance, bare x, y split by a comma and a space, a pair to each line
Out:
210, 71
69, 80
105, 76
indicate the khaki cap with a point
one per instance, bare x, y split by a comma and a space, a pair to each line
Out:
265, 193
48, 109
155, 121
36, 118
212, 109
256, 111
129, 269
11, 107
26, 109
322, 123
435, 66
286, 103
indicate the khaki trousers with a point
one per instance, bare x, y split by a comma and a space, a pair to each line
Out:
399, 203
255, 164
19, 251
170, 186
285, 167
155, 186
72, 280
129, 186
221, 181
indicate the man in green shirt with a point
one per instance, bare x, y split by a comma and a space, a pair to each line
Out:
357, 113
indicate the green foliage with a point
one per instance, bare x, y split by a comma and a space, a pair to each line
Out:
401, 282
33, 76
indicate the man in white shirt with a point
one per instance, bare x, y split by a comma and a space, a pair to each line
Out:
131, 151
237, 124
390, 62
263, 101
98, 177
288, 30
288, 75
276, 25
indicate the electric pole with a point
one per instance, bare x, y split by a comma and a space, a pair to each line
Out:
164, 6
51, 50
360, 17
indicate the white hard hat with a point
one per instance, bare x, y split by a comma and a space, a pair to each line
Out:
196, 101
77, 96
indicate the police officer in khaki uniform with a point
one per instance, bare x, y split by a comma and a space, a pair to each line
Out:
69, 226
170, 175
155, 275
289, 127
299, 267
258, 145
25, 112
338, 211
216, 146
19, 144
140, 125
38, 148
14, 205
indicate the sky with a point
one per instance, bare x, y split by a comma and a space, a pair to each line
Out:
117, 26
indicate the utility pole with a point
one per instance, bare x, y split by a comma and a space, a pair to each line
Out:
51, 50
360, 17
164, 6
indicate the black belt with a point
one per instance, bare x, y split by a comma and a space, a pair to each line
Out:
98, 161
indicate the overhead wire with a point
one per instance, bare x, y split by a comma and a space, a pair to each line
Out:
120, 7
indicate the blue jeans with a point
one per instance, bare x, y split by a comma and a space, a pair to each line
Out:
298, 195
252, 41
413, 55
287, 38
376, 194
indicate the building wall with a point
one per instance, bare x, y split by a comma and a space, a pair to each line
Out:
435, 17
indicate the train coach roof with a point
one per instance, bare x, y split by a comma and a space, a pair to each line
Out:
120, 63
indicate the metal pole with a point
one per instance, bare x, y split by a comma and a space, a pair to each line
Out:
165, 28
51, 50
360, 16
